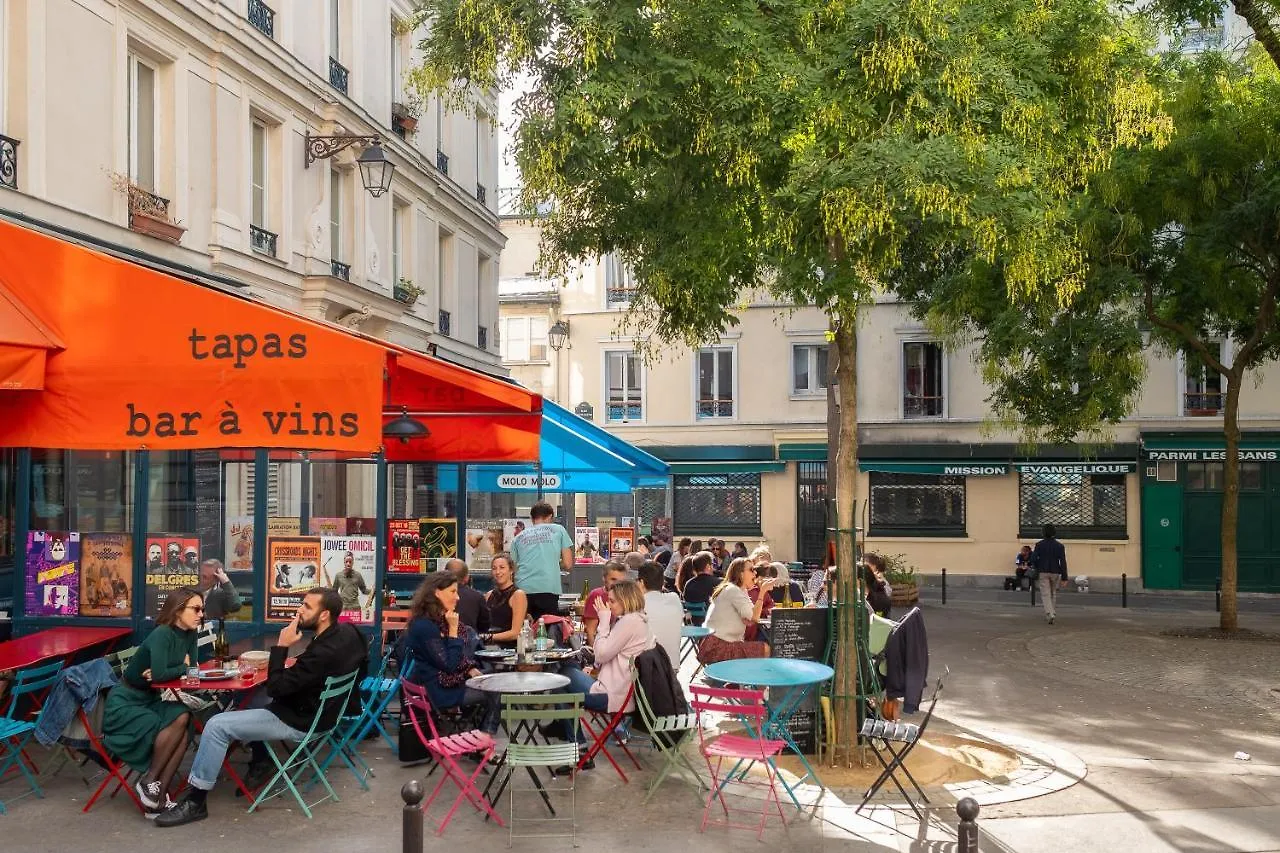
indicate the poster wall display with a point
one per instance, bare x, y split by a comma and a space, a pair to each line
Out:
173, 561
284, 526
239, 543
439, 540
511, 528
482, 544
53, 573
622, 540
662, 526
350, 563
106, 575
293, 567
404, 546
328, 526
361, 526
586, 545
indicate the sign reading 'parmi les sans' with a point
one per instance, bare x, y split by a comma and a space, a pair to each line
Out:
1211, 455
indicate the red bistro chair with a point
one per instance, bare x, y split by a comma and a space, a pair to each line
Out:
446, 751
607, 726
748, 706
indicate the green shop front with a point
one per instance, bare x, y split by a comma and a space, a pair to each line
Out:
1182, 488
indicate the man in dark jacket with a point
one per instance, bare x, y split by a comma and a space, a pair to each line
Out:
1049, 559
472, 609
293, 695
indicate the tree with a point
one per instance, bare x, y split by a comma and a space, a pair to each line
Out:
812, 148
1182, 240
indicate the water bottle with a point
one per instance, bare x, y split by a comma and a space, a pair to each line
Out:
523, 642
542, 636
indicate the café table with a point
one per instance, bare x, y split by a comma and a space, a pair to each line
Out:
506, 658
523, 683
793, 680
690, 636
65, 642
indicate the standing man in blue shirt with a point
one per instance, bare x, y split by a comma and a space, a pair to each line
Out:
541, 552
1050, 562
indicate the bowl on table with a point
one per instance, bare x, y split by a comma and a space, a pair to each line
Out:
254, 660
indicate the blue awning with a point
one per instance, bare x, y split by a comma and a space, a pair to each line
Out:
576, 456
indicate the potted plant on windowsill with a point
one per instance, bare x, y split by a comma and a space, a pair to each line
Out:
148, 212
904, 578
406, 291
405, 114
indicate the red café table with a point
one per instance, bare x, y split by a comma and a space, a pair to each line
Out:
63, 642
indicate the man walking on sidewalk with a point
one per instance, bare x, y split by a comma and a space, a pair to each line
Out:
1050, 561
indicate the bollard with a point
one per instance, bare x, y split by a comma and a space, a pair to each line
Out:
944, 584
1124, 589
1217, 595
1035, 583
967, 831
411, 793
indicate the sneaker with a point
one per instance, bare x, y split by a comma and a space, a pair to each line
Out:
255, 777
148, 793
1051, 618
186, 811
152, 814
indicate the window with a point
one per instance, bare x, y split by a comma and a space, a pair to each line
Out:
922, 380
917, 505
142, 123
809, 369
444, 271
335, 213
1202, 390
715, 382
623, 398
258, 174
397, 61
1079, 506
726, 504
524, 339
399, 242
335, 28
619, 282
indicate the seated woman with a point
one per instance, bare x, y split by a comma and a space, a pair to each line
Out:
764, 571
785, 588
623, 634
443, 649
879, 591
140, 727
508, 605
685, 573
731, 613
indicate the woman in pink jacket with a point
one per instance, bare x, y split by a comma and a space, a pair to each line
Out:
623, 634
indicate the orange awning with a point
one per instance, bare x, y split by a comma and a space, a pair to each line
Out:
152, 361
471, 417
25, 342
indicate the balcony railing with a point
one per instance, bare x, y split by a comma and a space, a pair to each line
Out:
482, 337
442, 161
338, 269
921, 407
1202, 404
263, 18
480, 193
338, 75
715, 408
622, 410
443, 325
9, 162
620, 295
262, 240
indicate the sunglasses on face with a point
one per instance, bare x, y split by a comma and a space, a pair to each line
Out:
197, 608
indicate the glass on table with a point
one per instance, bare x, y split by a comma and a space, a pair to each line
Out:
192, 678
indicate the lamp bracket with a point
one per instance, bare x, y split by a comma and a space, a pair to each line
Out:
323, 147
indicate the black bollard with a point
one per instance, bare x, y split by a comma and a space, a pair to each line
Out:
967, 831
944, 584
1124, 589
1034, 583
411, 793
1217, 595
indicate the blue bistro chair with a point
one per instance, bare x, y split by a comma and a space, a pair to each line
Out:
16, 733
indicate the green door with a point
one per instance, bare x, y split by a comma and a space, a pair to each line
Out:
1202, 539
1161, 533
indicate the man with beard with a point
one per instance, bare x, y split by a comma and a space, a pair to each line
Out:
293, 698
155, 554
173, 552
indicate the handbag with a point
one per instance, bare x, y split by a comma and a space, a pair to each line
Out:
192, 701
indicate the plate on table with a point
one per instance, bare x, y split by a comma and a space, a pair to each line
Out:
494, 653
215, 675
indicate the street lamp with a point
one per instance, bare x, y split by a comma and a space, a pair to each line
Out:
375, 169
558, 334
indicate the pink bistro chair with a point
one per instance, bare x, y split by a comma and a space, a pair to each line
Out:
747, 706
446, 751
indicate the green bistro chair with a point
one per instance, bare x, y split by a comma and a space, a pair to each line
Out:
669, 736
520, 711
304, 758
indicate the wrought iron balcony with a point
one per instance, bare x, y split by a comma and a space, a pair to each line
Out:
715, 408
338, 269
921, 407
620, 295
9, 162
263, 18
338, 75
442, 161
480, 193
482, 337
262, 240
443, 325
1203, 404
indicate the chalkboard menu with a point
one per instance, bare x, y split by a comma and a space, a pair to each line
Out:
801, 634
207, 488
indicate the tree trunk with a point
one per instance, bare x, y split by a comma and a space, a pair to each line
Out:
845, 707
1228, 619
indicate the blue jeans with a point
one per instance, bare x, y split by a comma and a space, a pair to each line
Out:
580, 682
255, 724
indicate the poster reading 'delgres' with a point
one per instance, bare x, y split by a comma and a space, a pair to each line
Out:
173, 561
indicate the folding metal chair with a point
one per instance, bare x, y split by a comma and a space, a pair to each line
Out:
669, 735
888, 733
607, 724
742, 749
205, 637
696, 611
376, 693
521, 711
446, 751
288, 775
18, 725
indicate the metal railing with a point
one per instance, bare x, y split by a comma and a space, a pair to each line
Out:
715, 408
482, 337
339, 76
150, 204
263, 18
921, 407
338, 269
1202, 403
619, 295
442, 161
480, 193
262, 240
9, 162
444, 321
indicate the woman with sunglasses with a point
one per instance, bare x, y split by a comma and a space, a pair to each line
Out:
138, 726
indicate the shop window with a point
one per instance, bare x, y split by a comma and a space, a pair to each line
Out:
344, 499
1078, 506
85, 491
1251, 476
923, 381
717, 504
916, 505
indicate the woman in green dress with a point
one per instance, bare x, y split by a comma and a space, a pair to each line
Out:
141, 729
